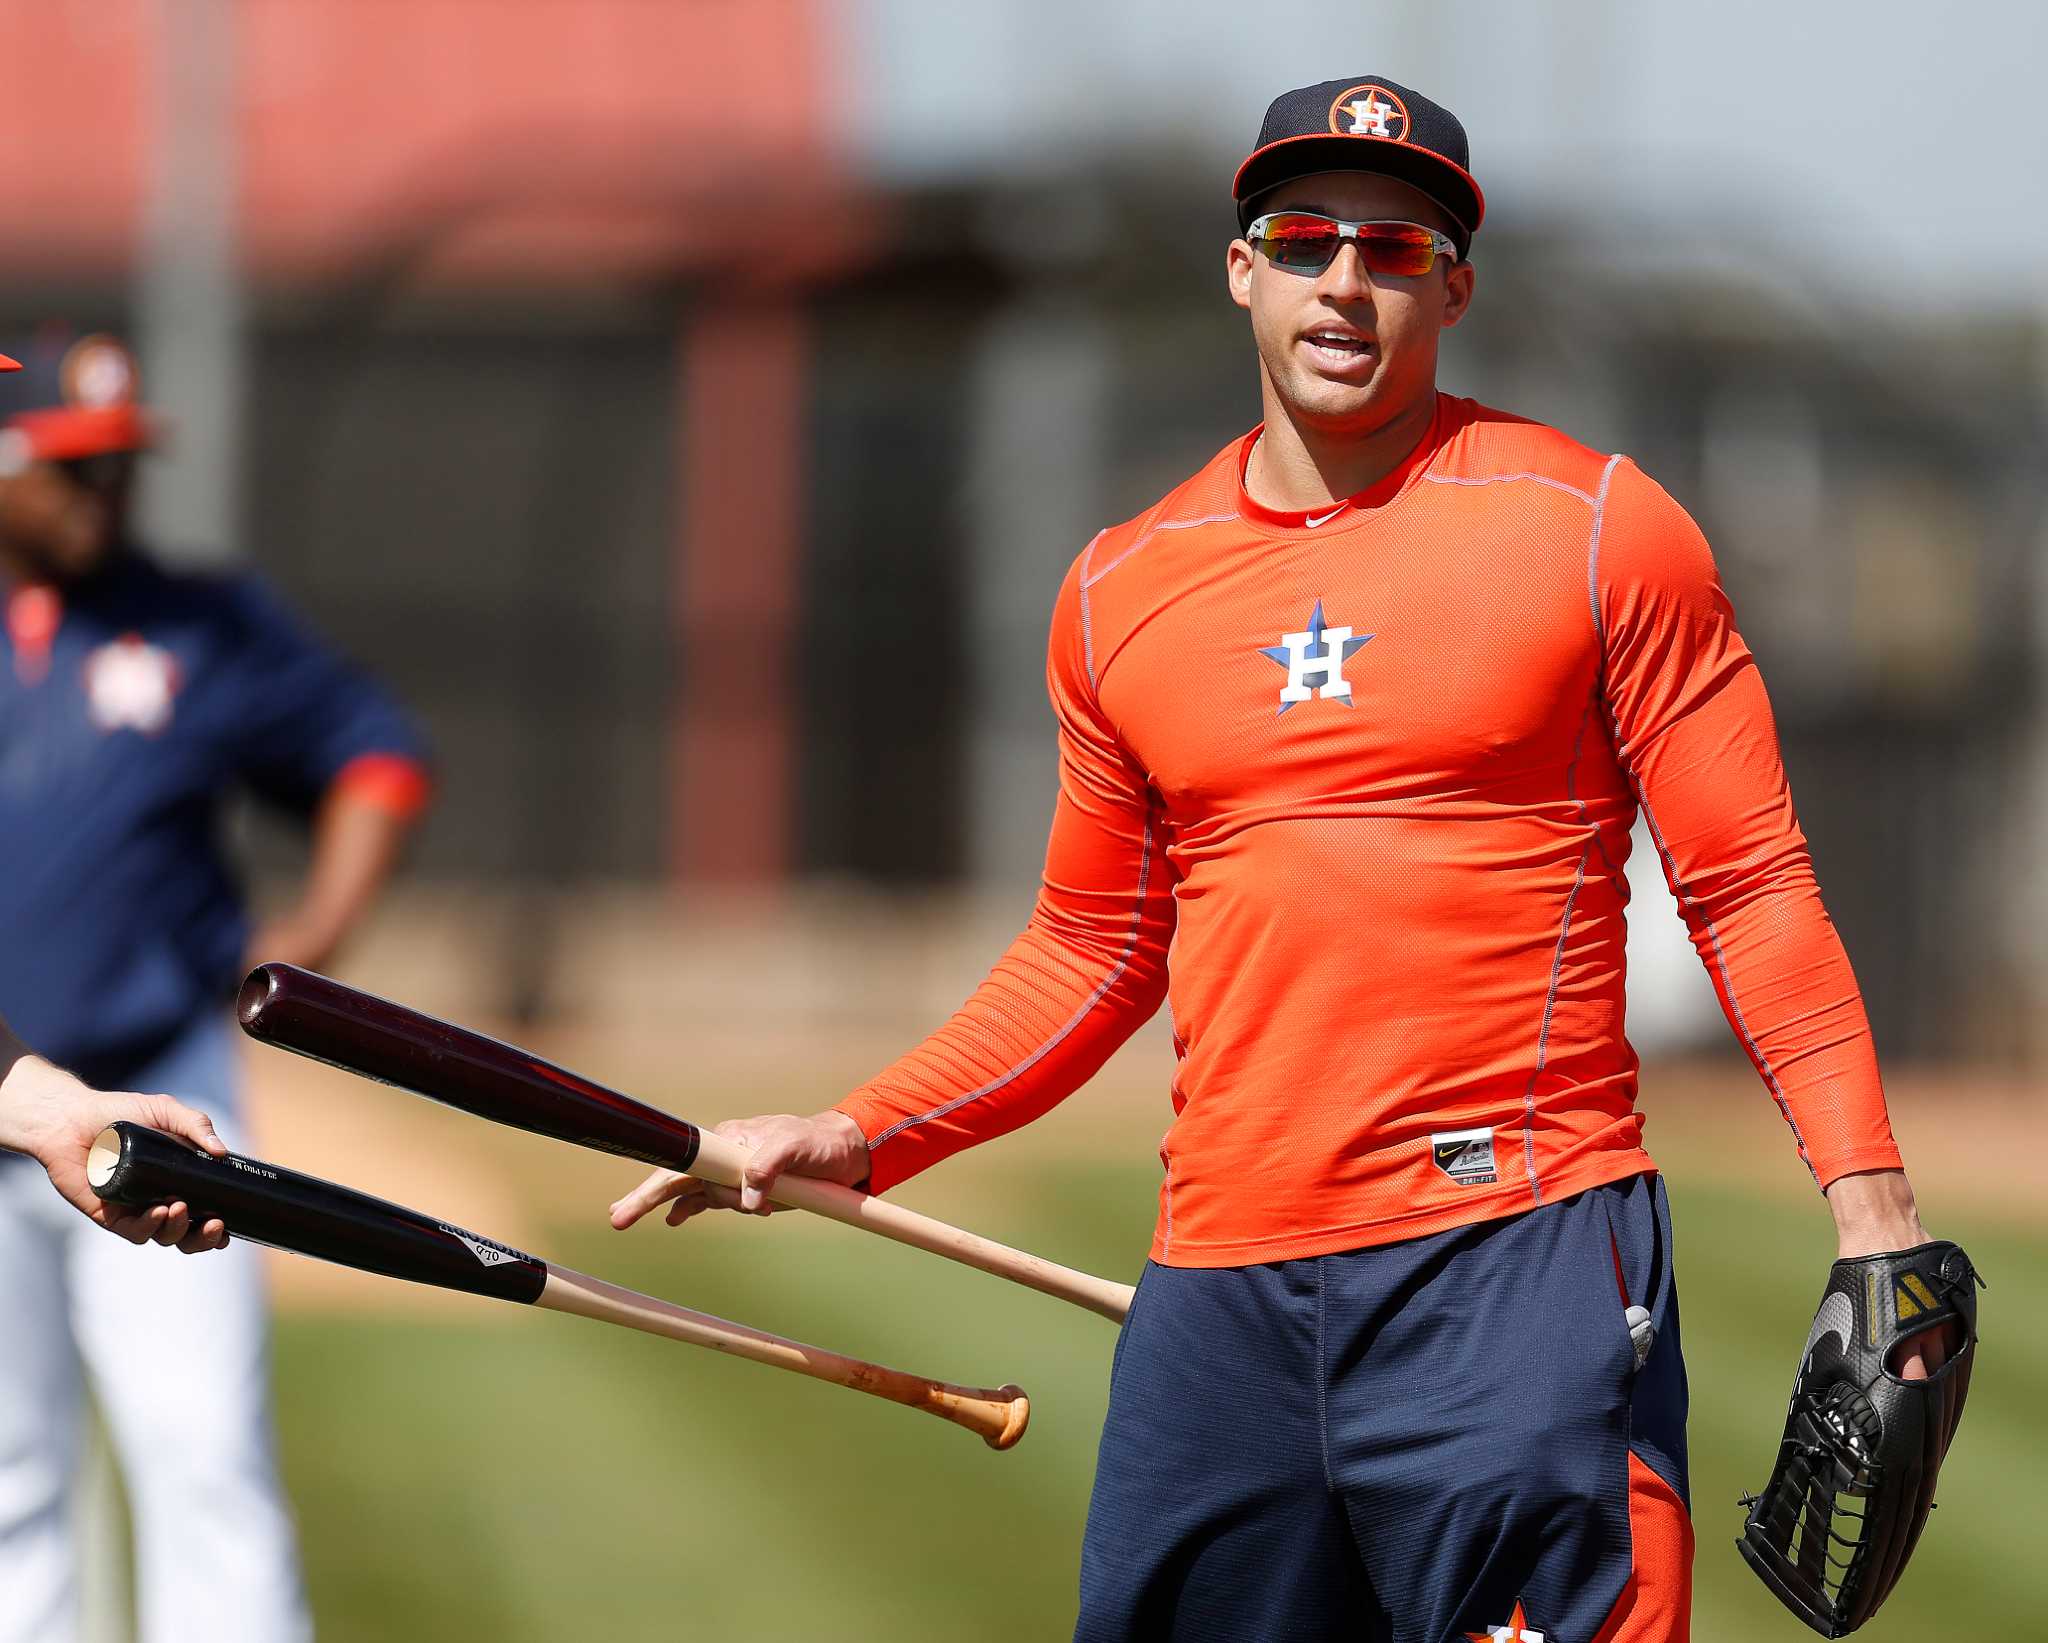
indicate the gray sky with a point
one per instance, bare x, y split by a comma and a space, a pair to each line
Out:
1906, 148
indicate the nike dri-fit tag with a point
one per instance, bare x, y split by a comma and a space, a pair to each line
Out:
1466, 1156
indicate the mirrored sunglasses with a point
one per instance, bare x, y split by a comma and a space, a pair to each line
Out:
1306, 242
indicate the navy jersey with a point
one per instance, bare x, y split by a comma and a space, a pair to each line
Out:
128, 714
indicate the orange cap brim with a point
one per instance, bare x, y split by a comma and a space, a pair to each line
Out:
7, 364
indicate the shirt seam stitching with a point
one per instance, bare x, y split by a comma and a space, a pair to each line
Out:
1598, 503
1087, 617
1145, 540
1740, 1021
1593, 555
1564, 930
1534, 478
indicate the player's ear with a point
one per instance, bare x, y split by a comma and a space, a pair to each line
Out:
1237, 267
1458, 292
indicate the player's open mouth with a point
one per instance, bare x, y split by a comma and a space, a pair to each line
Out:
1341, 349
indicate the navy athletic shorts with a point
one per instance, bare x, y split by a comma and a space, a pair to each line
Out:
1421, 1442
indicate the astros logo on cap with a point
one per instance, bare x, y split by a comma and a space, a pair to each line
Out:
1369, 111
98, 372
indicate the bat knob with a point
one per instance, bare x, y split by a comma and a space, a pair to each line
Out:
1019, 1417
105, 1154
258, 988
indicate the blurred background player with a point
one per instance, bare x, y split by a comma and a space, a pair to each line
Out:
52, 1117
134, 702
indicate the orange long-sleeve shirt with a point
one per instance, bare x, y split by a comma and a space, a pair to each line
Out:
1354, 790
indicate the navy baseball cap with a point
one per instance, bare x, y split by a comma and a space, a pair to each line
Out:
75, 396
1365, 124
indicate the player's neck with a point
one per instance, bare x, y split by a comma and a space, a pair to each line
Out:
1294, 467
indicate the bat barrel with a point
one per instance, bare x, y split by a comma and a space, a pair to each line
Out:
267, 1204
361, 1033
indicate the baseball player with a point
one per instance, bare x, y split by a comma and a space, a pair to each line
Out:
133, 701
52, 1117
1405, 1362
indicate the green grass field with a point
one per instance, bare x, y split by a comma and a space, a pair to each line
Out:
493, 1473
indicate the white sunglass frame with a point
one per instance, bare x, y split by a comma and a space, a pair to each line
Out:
1440, 243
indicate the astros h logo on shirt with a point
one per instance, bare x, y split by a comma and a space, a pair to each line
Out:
1314, 659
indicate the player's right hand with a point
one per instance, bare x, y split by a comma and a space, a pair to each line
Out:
828, 1146
54, 1118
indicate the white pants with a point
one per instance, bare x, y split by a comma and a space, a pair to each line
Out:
177, 1348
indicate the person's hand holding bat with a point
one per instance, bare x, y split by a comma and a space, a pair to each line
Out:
53, 1117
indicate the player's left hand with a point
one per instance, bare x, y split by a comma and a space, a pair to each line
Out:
1859, 1425
54, 1118
828, 1146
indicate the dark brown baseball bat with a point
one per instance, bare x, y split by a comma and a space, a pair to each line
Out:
268, 1204
317, 1016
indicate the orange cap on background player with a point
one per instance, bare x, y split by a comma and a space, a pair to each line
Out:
75, 396
1365, 124
7, 364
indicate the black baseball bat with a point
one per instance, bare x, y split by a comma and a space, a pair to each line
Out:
268, 1204
327, 1020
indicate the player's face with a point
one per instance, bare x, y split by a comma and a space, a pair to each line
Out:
59, 520
1347, 351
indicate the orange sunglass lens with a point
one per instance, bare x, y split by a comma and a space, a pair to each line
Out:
1308, 244
1397, 250
1301, 242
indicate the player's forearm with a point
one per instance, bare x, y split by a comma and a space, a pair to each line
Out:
31, 1090
357, 842
1049, 1015
1714, 787
1749, 894
26, 1083
1747, 889
1786, 986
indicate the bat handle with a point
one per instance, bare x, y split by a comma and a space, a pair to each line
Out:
721, 1160
997, 1416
